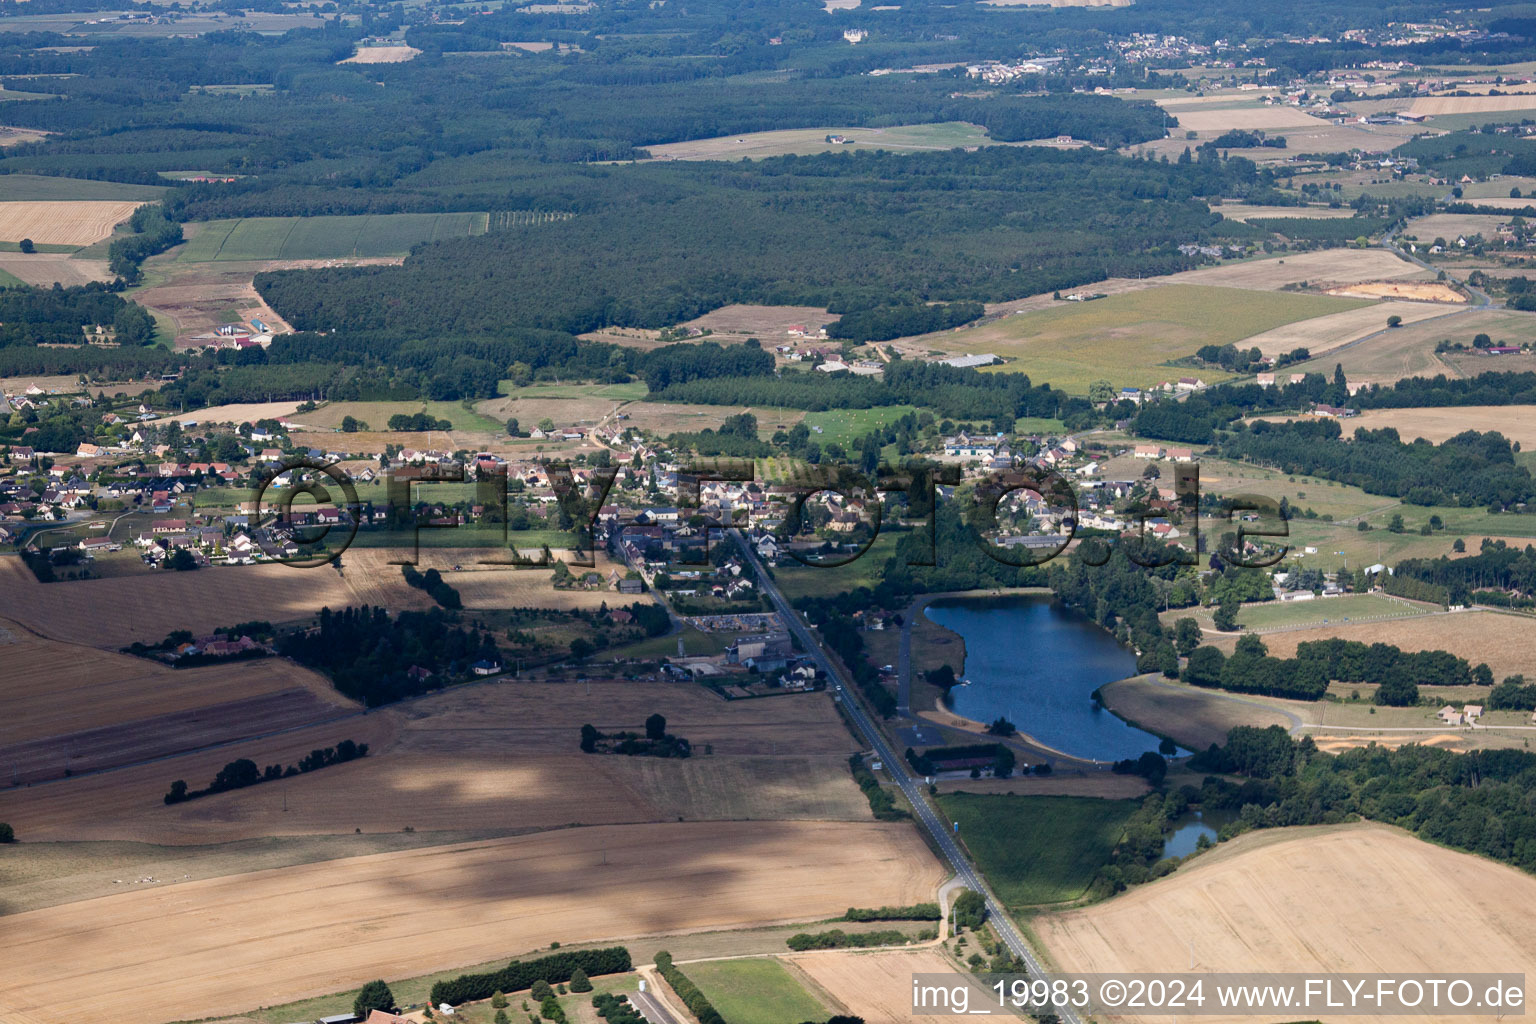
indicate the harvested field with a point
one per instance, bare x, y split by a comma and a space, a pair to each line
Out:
248, 412
10, 136
381, 55
1451, 226
62, 223
1409, 350
1416, 291
497, 755
1352, 898
805, 141
374, 580
1503, 641
1434, 105
1234, 211
874, 985
1335, 266
319, 927
112, 613
769, 324
1194, 718
1322, 334
47, 269
1245, 117
53, 688
1516, 422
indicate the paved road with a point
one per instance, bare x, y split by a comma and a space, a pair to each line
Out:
651, 1009
926, 815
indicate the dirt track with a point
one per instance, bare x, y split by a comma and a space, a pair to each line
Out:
224, 945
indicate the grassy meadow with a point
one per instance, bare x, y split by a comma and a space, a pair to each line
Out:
301, 238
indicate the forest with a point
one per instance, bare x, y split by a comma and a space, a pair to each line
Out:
59, 316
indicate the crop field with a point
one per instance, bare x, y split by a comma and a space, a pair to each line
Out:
804, 141
1363, 898
1128, 338
875, 985
1250, 116
286, 238
467, 903
1323, 334
1410, 350
1195, 718
1451, 226
1437, 105
757, 991
62, 223
34, 188
1037, 850
1516, 422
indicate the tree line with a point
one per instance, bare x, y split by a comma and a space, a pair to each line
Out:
243, 772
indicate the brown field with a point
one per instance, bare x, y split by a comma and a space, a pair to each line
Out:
1248, 117
768, 324
1432, 105
221, 943
1516, 422
1194, 718
11, 136
1325, 333
493, 756
113, 613
246, 412
1235, 211
1451, 225
47, 269
1503, 641
76, 222
1354, 898
381, 55
873, 985
1425, 291
1335, 266
1409, 350
376, 581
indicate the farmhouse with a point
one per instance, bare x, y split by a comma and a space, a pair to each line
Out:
1148, 451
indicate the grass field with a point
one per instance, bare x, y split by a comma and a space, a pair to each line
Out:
1037, 850
844, 425
35, 188
864, 571
804, 141
755, 992
1129, 338
1363, 898
292, 238
319, 927
1350, 607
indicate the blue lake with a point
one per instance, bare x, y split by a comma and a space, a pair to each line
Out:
1037, 664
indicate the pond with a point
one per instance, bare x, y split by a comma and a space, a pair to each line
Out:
1190, 826
1036, 663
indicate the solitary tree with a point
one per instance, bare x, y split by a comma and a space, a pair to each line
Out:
27, 246
656, 727
1394, 321
7, 834
374, 996
579, 981
1226, 615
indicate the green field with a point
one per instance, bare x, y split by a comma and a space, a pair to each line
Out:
865, 571
755, 992
1038, 849
300, 238
844, 425
1349, 608
631, 392
40, 188
1128, 339
377, 414
9, 280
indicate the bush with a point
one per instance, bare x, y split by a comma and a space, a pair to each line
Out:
970, 909
519, 975
579, 981
7, 834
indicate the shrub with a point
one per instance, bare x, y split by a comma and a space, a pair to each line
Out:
579, 981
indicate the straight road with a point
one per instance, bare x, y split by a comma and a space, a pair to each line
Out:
651, 1009
926, 815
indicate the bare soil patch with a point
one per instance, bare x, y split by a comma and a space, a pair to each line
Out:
1417, 291
381, 55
